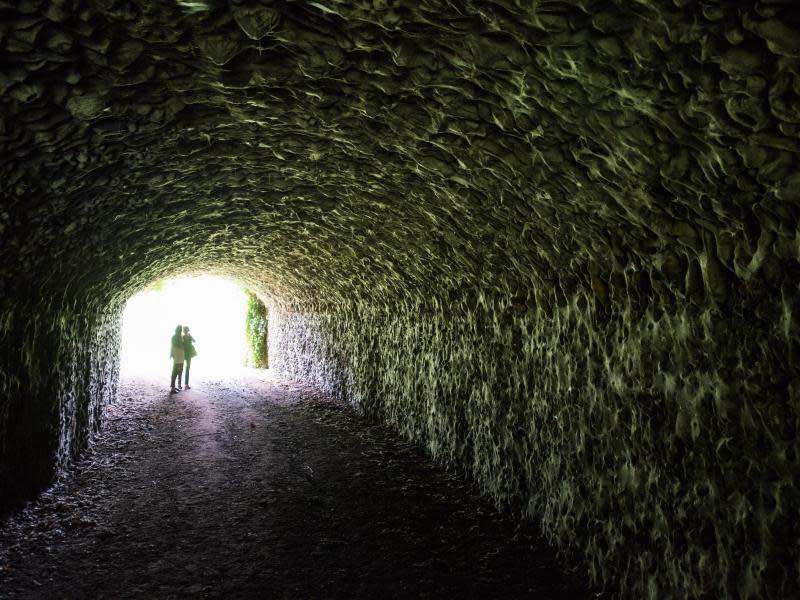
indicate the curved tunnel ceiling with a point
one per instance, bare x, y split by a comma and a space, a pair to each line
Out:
339, 150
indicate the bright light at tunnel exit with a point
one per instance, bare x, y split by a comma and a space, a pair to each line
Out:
214, 309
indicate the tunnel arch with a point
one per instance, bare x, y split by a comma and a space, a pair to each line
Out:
556, 243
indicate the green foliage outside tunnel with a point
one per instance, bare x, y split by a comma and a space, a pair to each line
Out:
256, 323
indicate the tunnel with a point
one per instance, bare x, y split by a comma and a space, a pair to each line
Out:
554, 243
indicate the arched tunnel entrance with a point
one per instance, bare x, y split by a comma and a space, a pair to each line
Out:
213, 308
555, 244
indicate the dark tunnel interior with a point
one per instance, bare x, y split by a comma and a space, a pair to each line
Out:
554, 242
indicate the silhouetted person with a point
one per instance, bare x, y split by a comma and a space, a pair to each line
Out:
188, 354
177, 355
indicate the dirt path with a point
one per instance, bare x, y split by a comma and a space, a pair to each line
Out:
252, 488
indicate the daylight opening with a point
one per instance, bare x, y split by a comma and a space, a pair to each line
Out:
215, 310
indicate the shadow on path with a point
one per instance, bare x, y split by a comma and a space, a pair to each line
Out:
255, 488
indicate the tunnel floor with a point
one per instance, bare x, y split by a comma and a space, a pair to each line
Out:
251, 488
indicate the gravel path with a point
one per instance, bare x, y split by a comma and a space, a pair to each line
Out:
256, 488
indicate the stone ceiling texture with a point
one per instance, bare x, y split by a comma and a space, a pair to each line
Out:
342, 149
555, 242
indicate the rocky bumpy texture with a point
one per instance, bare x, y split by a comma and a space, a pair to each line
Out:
557, 241
655, 443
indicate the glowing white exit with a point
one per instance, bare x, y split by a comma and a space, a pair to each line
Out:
214, 309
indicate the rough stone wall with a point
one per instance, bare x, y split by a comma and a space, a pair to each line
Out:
58, 371
366, 161
652, 442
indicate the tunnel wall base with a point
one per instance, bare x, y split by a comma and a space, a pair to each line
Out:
656, 444
59, 370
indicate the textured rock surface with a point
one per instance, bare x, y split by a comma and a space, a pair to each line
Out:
658, 445
58, 370
556, 241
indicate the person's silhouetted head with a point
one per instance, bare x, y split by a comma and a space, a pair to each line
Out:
178, 330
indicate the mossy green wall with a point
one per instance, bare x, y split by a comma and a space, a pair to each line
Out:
651, 441
257, 326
